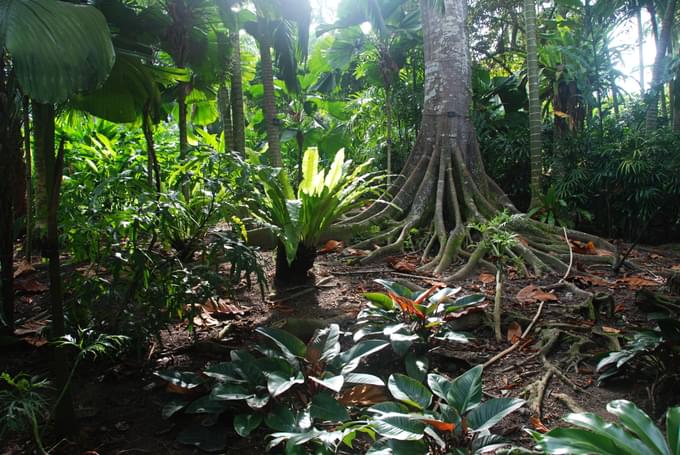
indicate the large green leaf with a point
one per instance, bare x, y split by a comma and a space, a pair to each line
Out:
575, 441
409, 391
673, 429
417, 366
325, 345
625, 441
636, 421
489, 413
349, 360
291, 346
244, 424
465, 392
206, 405
229, 392
326, 408
57, 48
439, 385
399, 426
183, 379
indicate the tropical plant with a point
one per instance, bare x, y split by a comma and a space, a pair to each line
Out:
23, 406
449, 416
633, 433
300, 392
322, 198
652, 351
498, 241
413, 320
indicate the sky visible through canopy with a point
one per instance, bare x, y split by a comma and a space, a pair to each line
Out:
624, 36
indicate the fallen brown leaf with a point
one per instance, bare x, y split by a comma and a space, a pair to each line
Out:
606, 329
538, 425
514, 332
23, 267
591, 281
30, 286
532, 294
364, 395
439, 425
331, 246
487, 278
636, 282
31, 327
403, 264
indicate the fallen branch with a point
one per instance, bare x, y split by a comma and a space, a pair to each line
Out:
569, 402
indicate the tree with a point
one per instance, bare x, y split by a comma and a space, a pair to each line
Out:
535, 124
443, 183
57, 49
662, 46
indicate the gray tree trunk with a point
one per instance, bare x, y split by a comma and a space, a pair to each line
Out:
237, 114
535, 142
663, 43
269, 98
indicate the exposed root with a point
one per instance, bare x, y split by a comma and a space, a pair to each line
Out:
535, 393
569, 402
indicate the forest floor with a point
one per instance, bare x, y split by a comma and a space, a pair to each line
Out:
119, 403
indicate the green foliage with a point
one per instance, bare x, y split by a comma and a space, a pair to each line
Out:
150, 256
450, 413
652, 352
412, 320
322, 199
23, 405
497, 237
634, 433
291, 387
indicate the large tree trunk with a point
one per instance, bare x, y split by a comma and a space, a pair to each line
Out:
663, 43
535, 142
641, 43
237, 114
443, 183
223, 103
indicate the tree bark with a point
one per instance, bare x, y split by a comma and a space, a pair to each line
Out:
535, 127
641, 43
443, 184
10, 152
43, 122
269, 97
238, 116
28, 243
223, 103
652, 114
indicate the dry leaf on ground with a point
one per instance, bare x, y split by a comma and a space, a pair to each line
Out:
532, 294
591, 280
514, 332
538, 425
636, 282
30, 286
23, 267
486, 278
331, 246
403, 264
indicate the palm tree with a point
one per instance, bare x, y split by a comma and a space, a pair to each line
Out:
273, 29
662, 46
57, 49
535, 143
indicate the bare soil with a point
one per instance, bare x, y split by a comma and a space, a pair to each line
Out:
119, 402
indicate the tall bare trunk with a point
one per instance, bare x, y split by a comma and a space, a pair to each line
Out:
223, 103
43, 123
269, 98
535, 142
237, 114
641, 43
28, 243
652, 115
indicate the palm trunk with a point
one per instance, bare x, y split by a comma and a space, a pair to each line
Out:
388, 113
10, 152
28, 244
223, 103
641, 43
183, 135
43, 122
153, 172
238, 116
652, 115
269, 99
535, 142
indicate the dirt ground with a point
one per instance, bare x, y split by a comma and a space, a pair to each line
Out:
119, 403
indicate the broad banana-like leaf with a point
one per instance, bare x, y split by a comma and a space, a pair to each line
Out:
57, 48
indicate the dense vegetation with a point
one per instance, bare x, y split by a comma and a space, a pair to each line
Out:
152, 153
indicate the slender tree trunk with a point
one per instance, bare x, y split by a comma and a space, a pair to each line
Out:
652, 115
238, 116
223, 102
10, 152
388, 113
641, 53
43, 123
269, 99
28, 244
182, 121
153, 173
535, 142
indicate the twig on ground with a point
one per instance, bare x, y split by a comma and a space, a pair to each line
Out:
568, 401
516, 344
571, 256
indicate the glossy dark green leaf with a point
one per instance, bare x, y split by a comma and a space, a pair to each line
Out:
417, 366
639, 423
244, 424
673, 429
489, 413
409, 391
399, 426
229, 392
465, 392
380, 300
326, 408
206, 405
183, 379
